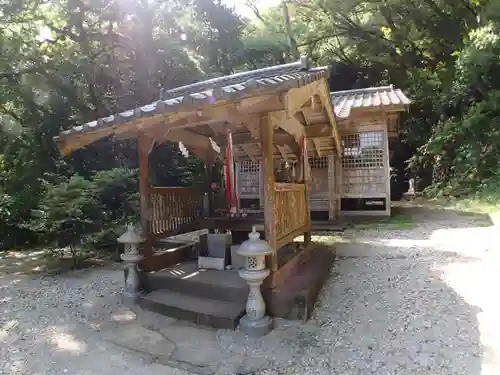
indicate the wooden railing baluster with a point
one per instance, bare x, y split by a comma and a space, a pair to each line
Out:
172, 208
290, 208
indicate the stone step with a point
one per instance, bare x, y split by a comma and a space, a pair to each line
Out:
187, 279
198, 310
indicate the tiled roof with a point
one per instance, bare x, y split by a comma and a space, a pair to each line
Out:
345, 101
279, 77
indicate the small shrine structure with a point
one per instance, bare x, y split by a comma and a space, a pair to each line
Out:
261, 115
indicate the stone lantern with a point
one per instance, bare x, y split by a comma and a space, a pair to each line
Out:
255, 323
131, 241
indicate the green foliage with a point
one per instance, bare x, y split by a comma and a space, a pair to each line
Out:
117, 193
118, 201
477, 64
73, 61
470, 146
91, 213
67, 213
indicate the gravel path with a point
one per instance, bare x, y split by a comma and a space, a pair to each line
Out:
420, 300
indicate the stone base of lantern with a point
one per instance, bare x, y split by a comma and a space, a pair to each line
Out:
256, 328
132, 290
129, 297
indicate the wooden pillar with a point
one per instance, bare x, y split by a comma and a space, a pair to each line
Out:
339, 173
208, 190
332, 190
387, 173
261, 185
307, 183
145, 146
266, 139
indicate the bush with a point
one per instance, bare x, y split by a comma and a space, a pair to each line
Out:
82, 213
117, 195
67, 213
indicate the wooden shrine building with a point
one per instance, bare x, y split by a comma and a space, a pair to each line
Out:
357, 183
305, 152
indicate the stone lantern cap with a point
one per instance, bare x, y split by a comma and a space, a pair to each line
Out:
130, 236
254, 246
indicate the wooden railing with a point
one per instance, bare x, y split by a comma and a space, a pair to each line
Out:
173, 209
290, 209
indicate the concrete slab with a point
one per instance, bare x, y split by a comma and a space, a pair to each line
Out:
195, 345
140, 339
189, 367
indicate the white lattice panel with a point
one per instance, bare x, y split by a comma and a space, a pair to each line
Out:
363, 164
249, 179
319, 178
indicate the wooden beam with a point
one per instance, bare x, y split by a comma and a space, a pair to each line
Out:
264, 103
307, 182
228, 114
200, 145
291, 125
282, 152
253, 126
324, 94
266, 136
69, 144
246, 150
316, 103
189, 117
182, 135
296, 98
145, 146
318, 131
247, 138
317, 146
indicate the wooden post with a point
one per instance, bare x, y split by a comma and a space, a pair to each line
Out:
208, 189
266, 139
387, 173
338, 182
332, 191
307, 183
145, 146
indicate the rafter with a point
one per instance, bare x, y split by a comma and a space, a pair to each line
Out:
317, 146
282, 151
246, 150
291, 125
324, 95
296, 98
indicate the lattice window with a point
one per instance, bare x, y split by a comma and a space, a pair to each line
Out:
321, 162
249, 166
363, 164
319, 178
249, 179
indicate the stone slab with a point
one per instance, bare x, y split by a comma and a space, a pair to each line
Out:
137, 338
217, 244
198, 310
211, 263
195, 345
189, 367
186, 278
